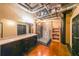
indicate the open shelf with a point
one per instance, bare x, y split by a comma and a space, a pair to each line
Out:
56, 33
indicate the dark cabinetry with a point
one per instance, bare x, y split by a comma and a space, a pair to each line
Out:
29, 44
11, 49
18, 48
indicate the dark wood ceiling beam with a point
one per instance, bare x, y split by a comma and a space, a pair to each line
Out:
28, 5
22, 5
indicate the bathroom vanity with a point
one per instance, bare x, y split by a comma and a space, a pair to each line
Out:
18, 45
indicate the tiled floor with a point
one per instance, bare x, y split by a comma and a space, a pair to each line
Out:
54, 49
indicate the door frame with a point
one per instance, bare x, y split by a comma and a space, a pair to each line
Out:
59, 30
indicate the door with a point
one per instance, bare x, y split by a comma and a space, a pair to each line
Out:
75, 35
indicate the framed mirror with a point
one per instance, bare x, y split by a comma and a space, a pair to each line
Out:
21, 29
1, 30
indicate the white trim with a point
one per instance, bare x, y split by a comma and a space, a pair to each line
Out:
71, 26
71, 32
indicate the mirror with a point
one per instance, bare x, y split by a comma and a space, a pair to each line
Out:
21, 29
0, 30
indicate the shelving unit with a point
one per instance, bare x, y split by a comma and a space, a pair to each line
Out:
56, 30
55, 33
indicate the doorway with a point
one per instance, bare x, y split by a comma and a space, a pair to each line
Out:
75, 35
56, 29
39, 29
63, 29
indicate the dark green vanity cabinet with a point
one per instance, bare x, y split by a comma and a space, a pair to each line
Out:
29, 44
18, 48
12, 49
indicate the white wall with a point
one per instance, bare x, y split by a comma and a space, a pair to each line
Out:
10, 16
13, 11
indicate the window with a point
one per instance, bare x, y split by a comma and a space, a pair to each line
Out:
21, 29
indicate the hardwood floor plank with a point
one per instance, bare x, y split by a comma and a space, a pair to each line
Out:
54, 49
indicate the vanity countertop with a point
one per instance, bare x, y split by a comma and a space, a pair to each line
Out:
20, 37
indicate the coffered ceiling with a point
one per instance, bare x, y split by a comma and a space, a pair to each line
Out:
42, 10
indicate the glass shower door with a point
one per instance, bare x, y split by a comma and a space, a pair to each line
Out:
75, 36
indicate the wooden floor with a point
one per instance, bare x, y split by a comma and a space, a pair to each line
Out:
54, 49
